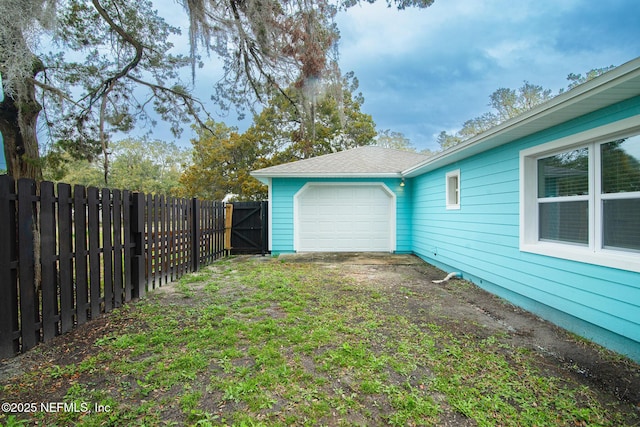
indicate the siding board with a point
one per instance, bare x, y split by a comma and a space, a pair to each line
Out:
481, 240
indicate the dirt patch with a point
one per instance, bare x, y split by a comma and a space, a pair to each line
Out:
473, 311
402, 284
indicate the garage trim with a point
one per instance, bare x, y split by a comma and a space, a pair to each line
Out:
309, 185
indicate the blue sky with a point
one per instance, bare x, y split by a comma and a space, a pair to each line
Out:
425, 71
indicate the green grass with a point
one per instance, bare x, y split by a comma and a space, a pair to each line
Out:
278, 344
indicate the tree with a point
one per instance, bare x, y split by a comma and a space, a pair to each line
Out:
337, 123
138, 164
90, 86
389, 139
506, 103
223, 159
221, 163
510, 103
265, 47
268, 46
21, 21
578, 79
446, 140
149, 166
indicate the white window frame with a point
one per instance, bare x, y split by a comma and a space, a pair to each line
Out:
594, 252
452, 191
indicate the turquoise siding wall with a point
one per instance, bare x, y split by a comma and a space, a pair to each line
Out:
481, 240
283, 190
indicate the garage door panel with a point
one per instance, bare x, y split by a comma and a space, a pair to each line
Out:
344, 218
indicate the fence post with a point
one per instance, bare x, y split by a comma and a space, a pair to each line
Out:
138, 282
8, 285
195, 239
228, 222
264, 221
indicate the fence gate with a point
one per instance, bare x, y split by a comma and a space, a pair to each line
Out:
249, 228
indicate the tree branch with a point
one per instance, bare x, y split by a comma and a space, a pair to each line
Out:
187, 99
108, 84
54, 90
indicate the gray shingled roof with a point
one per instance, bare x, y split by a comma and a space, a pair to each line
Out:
360, 161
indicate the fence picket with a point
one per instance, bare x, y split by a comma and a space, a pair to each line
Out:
26, 252
118, 289
80, 234
149, 239
9, 342
48, 261
138, 278
94, 249
171, 220
164, 226
66, 256
127, 243
107, 250
157, 242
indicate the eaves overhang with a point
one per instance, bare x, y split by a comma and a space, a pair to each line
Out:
613, 87
265, 177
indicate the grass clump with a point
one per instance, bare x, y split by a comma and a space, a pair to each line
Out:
275, 343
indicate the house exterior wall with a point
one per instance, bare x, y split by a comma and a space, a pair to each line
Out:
481, 240
283, 190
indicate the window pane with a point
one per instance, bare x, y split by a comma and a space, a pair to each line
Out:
621, 165
565, 222
565, 174
621, 224
453, 190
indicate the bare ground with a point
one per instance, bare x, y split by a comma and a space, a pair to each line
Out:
406, 282
475, 311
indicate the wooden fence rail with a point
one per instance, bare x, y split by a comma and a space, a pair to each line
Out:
68, 254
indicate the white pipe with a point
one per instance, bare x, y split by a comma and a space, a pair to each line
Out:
449, 276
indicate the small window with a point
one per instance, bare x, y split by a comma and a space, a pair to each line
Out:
453, 189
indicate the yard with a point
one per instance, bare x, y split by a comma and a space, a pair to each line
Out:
319, 340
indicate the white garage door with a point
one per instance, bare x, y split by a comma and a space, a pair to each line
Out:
341, 218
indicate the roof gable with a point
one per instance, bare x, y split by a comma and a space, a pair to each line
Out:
364, 161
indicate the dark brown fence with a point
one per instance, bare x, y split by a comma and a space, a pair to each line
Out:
68, 254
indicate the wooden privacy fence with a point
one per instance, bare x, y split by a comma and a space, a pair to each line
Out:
68, 256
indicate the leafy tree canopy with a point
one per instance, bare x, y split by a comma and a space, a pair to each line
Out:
396, 140
221, 163
138, 164
102, 49
297, 126
282, 132
508, 103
